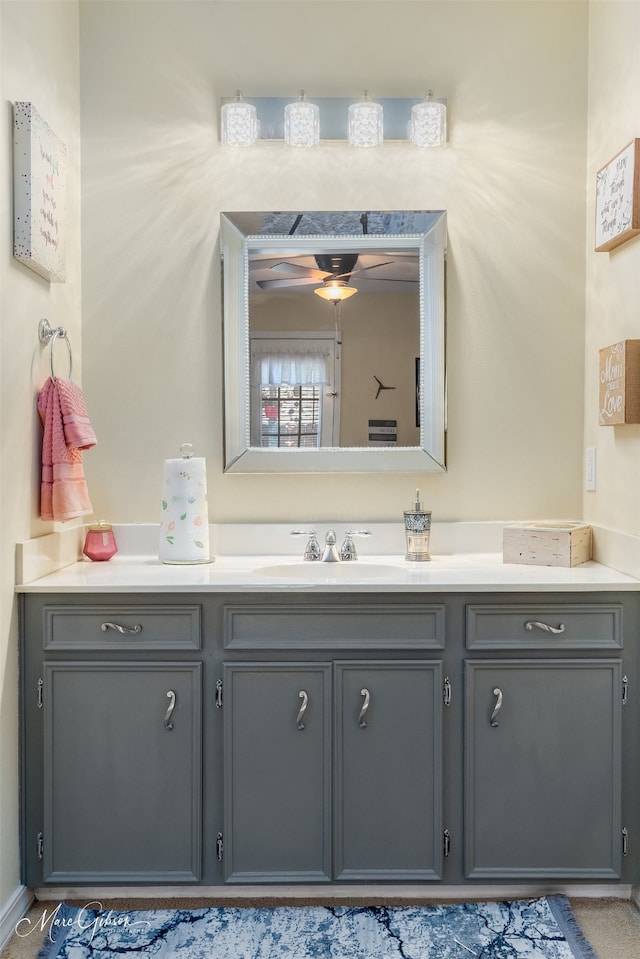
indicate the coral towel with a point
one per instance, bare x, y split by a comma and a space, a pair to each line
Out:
67, 431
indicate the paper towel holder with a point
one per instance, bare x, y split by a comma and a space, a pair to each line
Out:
184, 527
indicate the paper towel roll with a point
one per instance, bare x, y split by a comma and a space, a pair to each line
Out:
184, 522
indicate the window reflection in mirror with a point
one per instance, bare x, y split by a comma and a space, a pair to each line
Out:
334, 321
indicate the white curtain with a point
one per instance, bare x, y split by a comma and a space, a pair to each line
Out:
273, 366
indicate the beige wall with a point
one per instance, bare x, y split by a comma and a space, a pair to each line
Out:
155, 180
38, 62
613, 279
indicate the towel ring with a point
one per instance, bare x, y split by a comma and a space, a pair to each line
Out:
46, 334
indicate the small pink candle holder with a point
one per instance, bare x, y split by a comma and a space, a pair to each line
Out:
100, 543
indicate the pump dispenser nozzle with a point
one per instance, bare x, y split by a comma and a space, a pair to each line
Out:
417, 506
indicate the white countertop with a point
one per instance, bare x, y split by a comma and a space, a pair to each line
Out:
468, 572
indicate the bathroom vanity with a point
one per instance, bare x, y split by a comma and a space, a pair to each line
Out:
212, 726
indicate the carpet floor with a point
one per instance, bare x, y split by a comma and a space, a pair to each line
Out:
612, 926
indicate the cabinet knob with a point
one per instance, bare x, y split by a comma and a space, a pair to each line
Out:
498, 706
121, 629
362, 723
171, 696
303, 708
534, 624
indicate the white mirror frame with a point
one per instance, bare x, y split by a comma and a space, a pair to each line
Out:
240, 456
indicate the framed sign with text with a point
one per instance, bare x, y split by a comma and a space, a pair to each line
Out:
618, 199
39, 185
619, 382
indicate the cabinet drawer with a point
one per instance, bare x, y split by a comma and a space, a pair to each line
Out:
384, 626
121, 627
551, 626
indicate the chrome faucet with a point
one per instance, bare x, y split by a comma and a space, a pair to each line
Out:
314, 553
330, 553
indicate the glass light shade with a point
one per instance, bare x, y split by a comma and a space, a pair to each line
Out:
365, 123
428, 127
239, 123
302, 123
335, 290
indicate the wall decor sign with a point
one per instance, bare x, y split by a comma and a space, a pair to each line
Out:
619, 386
383, 432
39, 185
618, 199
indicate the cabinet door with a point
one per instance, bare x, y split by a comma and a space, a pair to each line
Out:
277, 760
543, 769
122, 772
388, 781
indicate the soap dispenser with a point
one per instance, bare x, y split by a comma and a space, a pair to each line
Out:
417, 529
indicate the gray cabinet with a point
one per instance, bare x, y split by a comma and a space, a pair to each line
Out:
277, 772
388, 771
122, 772
543, 769
340, 752
360, 763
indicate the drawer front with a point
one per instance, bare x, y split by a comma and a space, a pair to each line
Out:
552, 626
122, 627
384, 626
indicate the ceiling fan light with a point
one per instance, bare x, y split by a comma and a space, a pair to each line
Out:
365, 123
239, 123
428, 127
335, 291
302, 123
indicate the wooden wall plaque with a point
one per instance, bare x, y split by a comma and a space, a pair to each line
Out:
619, 393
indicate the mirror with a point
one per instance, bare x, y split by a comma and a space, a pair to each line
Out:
334, 341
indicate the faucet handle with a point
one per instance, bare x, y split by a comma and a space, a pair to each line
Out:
312, 550
348, 549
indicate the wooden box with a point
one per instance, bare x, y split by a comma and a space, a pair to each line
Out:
547, 544
619, 397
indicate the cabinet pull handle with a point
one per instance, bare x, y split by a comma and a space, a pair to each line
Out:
121, 629
498, 706
171, 696
305, 702
534, 624
362, 722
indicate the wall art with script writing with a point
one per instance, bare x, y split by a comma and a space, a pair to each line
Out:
39, 185
618, 199
619, 383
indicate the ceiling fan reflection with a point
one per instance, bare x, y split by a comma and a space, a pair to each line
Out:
333, 269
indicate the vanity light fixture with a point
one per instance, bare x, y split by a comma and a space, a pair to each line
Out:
411, 120
428, 126
239, 123
302, 123
365, 123
335, 290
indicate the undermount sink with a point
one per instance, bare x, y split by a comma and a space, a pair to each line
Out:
329, 571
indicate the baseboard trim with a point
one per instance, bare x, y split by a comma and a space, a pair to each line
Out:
14, 909
418, 892
635, 895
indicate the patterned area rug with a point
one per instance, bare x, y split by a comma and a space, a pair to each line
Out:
525, 929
